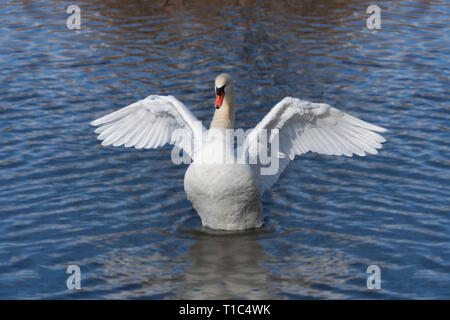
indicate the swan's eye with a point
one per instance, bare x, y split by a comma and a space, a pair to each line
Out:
220, 91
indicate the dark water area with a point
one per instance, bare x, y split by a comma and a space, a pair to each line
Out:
121, 214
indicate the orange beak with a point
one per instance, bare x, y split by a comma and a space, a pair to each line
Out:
219, 100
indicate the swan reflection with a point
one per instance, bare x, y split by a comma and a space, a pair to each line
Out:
224, 266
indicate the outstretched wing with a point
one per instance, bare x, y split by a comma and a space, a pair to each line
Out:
304, 126
150, 123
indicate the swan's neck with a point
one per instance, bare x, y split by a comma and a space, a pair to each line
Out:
224, 116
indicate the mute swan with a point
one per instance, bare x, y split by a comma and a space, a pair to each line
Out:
227, 195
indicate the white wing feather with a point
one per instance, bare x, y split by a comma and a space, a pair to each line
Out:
150, 123
304, 126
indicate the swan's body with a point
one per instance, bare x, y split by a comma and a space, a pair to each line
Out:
227, 193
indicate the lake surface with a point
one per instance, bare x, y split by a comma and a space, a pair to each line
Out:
121, 214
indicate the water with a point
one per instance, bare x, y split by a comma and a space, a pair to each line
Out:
121, 214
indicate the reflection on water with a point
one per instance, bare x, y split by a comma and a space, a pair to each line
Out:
121, 214
235, 265
225, 267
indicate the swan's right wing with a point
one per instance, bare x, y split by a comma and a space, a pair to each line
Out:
303, 126
151, 123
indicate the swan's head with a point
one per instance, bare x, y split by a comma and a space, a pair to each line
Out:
224, 89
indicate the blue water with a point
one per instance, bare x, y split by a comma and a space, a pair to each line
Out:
121, 214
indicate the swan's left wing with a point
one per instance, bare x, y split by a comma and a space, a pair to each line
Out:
304, 126
151, 123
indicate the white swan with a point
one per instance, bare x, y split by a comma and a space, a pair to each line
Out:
227, 195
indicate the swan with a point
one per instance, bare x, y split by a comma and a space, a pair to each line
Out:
227, 194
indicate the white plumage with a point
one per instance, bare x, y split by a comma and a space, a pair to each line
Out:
149, 123
305, 126
228, 196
